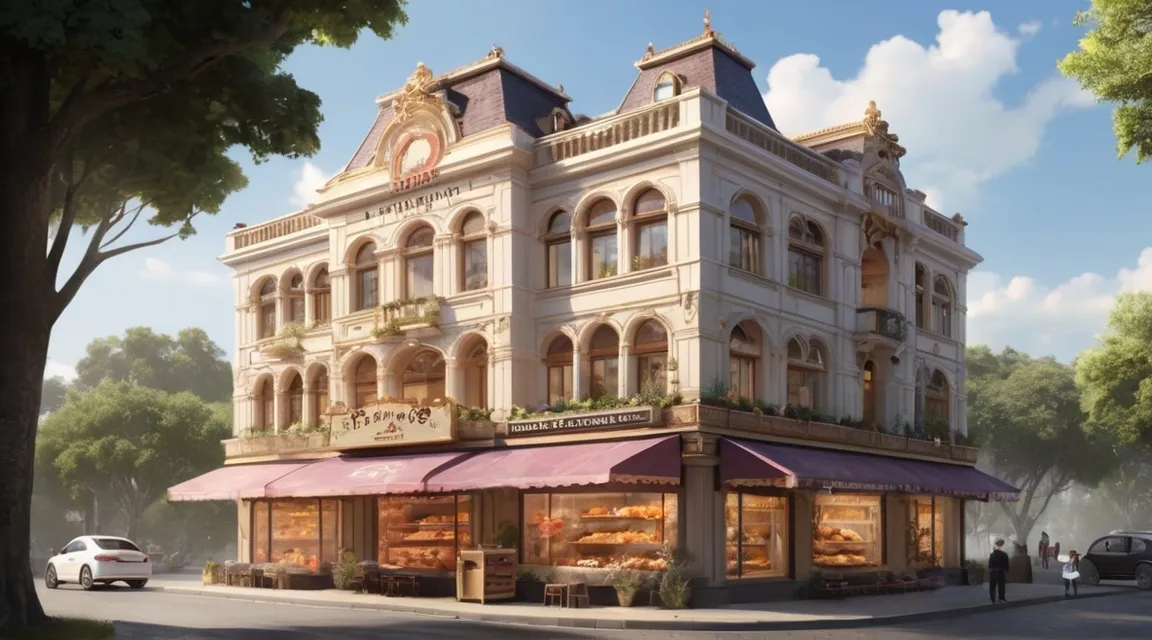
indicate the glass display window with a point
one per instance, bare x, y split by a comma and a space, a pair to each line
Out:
424, 532
599, 530
756, 536
296, 533
261, 537
847, 531
926, 532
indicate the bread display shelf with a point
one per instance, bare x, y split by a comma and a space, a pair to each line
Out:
634, 518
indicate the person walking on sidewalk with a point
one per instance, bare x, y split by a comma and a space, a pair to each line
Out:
1071, 573
1044, 548
998, 565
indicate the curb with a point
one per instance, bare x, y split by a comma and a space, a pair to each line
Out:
654, 625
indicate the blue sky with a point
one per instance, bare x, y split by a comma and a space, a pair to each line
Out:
991, 132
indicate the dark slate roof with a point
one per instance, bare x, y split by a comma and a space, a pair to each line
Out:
705, 63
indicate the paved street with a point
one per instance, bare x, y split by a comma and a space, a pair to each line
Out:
147, 615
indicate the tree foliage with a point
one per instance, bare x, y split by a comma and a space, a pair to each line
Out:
189, 362
1026, 413
134, 441
1116, 376
52, 395
1115, 63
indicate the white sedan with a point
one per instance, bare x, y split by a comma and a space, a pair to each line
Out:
88, 560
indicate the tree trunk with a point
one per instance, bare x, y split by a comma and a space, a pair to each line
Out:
28, 309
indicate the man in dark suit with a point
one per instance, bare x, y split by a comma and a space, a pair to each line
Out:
998, 565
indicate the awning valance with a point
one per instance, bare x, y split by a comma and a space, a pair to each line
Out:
234, 482
363, 476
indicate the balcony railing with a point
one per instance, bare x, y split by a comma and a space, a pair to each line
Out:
609, 132
942, 225
249, 236
885, 323
751, 131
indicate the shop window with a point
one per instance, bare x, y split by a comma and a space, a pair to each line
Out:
651, 349
265, 406
296, 400
419, 263
942, 306
364, 382
424, 378
926, 532
297, 532
847, 531
423, 532
261, 534
921, 275
870, 392
474, 253
267, 328
367, 278
319, 398
936, 397
604, 358
807, 371
667, 86
474, 367
559, 363
806, 247
757, 536
598, 530
744, 235
650, 231
602, 241
743, 360
559, 243
321, 297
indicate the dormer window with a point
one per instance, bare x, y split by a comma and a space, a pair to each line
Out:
667, 86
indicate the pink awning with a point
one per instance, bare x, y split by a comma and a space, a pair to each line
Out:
362, 476
627, 461
239, 482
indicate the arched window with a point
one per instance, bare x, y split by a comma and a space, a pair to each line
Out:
296, 400
807, 371
936, 394
870, 392
942, 306
418, 265
364, 382
806, 247
267, 328
319, 393
559, 243
559, 363
473, 253
650, 231
604, 357
321, 297
651, 349
265, 414
921, 276
473, 364
424, 378
296, 299
367, 280
602, 245
743, 359
667, 86
744, 235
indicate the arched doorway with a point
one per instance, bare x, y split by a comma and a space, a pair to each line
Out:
472, 365
423, 378
874, 278
364, 382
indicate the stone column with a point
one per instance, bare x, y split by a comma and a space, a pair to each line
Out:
279, 414
623, 245
382, 379
702, 515
279, 297
578, 383
306, 409
388, 381
624, 371
309, 311
454, 383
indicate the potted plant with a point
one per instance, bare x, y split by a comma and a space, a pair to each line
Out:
344, 573
508, 536
674, 588
210, 573
626, 582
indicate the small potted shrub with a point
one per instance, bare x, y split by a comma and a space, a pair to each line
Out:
626, 582
210, 574
675, 585
344, 572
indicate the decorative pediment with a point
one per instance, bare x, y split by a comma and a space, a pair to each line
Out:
416, 140
877, 128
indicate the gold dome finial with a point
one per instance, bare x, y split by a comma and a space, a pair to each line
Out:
496, 52
707, 22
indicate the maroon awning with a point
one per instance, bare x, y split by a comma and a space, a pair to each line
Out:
362, 476
749, 463
235, 482
651, 461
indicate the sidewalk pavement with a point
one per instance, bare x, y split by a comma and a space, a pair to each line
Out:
852, 612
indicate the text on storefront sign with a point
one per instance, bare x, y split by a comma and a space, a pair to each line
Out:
392, 424
416, 205
580, 422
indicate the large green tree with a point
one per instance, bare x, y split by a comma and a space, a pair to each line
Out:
1116, 375
1026, 413
134, 441
52, 395
115, 111
1115, 63
189, 362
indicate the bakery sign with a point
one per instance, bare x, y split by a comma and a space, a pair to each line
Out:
634, 417
393, 425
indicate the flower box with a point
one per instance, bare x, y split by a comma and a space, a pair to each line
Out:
893, 443
785, 427
966, 454
681, 414
476, 429
928, 448
712, 416
861, 437
827, 432
743, 420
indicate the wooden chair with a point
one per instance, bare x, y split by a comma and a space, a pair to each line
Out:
555, 594
578, 596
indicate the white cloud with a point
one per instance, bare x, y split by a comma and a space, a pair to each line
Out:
53, 369
157, 269
311, 178
1030, 29
941, 100
1063, 319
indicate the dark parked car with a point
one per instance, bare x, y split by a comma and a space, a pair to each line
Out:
1120, 555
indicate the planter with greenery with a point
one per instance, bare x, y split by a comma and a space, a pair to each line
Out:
674, 589
344, 572
474, 423
508, 535
212, 573
288, 343
626, 582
